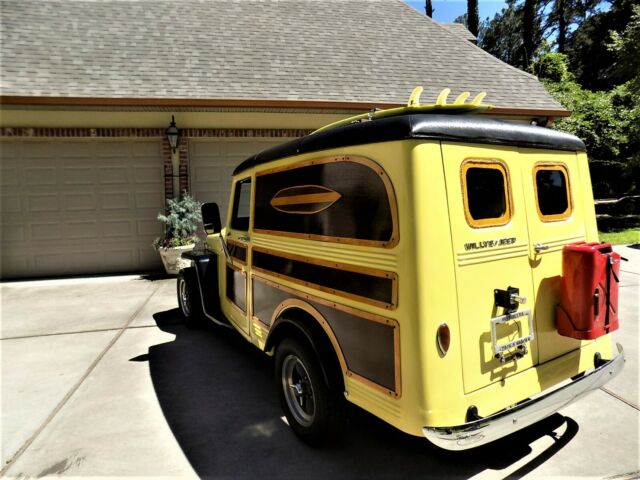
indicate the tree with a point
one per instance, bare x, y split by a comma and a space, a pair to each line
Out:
626, 47
606, 121
530, 31
502, 36
560, 13
428, 8
589, 57
462, 19
473, 17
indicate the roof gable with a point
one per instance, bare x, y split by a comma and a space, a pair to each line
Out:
347, 51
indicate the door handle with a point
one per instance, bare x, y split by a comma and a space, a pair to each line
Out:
244, 239
540, 248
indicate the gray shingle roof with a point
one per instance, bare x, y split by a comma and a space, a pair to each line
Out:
460, 30
332, 50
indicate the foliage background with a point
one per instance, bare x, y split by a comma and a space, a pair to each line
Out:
587, 53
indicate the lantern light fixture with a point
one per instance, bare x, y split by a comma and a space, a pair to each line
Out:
173, 134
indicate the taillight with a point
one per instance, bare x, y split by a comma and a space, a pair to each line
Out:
444, 338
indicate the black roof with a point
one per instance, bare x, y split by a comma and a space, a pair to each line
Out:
457, 128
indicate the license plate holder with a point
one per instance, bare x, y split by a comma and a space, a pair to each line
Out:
519, 343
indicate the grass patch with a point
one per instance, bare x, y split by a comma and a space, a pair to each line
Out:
619, 229
621, 237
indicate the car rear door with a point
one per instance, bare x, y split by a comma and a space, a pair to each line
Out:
490, 242
553, 193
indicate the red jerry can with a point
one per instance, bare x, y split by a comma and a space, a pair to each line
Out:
589, 303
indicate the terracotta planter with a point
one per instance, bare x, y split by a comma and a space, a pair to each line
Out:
171, 258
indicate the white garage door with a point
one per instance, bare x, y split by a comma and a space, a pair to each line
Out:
79, 206
212, 163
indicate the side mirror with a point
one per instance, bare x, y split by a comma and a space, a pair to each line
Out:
211, 218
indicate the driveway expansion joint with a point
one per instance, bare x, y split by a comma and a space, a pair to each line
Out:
619, 397
76, 386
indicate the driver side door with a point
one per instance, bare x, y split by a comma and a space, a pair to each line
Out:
234, 270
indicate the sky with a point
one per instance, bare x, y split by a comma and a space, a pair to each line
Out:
447, 10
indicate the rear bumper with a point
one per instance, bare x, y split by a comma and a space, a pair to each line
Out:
488, 429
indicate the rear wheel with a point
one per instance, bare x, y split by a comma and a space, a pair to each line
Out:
314, 412
189, 300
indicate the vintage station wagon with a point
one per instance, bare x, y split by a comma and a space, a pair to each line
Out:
439, 269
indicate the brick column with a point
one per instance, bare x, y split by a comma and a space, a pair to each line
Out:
183, 168
168, 169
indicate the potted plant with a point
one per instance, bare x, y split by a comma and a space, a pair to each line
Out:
181, 222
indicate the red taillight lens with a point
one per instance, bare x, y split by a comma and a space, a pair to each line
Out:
444, 338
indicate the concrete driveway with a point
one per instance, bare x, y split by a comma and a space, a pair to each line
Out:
100, 379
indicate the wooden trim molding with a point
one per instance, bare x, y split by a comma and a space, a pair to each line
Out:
238, 251
299, 302
192, 102
375, 167
233, 304
249, 103
335, 290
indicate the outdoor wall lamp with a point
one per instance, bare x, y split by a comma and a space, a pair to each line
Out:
173, 134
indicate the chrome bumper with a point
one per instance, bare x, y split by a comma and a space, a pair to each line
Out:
488, 429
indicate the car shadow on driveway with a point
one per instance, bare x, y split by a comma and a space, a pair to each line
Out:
218, 396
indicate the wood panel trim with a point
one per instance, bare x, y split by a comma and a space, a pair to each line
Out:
240, 245
244, 274
338, 266
351, 311
373, 165
265, 328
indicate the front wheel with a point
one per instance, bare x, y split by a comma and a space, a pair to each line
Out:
189, 297
314, 413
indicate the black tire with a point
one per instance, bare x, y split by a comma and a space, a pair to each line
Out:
314, 412
189, 302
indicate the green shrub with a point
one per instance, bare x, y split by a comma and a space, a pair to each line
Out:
181, 222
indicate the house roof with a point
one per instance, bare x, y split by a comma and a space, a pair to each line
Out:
460, 30
367, 51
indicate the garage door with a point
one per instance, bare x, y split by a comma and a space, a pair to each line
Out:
79, 206
212, 163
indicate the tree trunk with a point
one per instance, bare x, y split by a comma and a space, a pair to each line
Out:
473, 17
528, 32
561, 16
428, 8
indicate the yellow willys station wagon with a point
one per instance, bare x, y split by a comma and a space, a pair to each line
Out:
411, 262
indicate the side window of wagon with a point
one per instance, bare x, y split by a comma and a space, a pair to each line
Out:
486, 193
241, 205
553, 198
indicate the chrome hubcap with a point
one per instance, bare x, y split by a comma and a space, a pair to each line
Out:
298, 390
185, 305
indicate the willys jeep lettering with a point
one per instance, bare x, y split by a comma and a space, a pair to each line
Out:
438, 269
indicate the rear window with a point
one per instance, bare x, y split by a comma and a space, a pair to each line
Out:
553, 199
486, 194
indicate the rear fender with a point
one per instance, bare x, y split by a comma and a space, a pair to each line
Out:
300, 324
